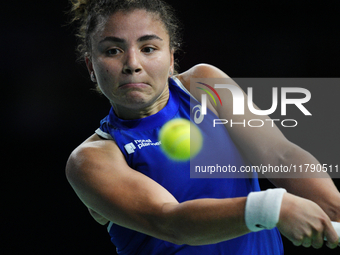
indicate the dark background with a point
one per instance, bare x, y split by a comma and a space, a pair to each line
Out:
49, 107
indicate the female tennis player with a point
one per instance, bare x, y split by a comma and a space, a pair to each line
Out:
149, 202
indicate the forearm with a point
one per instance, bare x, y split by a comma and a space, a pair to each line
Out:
320, 190
206, 221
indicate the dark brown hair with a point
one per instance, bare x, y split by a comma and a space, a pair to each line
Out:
87, 14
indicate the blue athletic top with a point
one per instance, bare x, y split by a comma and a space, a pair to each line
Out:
138, 141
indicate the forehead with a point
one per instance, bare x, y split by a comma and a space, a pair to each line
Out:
130, 25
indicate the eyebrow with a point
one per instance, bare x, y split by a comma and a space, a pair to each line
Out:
140, 39
148, 38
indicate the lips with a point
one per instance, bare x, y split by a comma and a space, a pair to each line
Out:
134, 85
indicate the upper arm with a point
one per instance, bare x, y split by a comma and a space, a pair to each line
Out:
264, 144
104, 182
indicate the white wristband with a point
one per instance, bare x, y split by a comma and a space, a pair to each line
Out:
263, 209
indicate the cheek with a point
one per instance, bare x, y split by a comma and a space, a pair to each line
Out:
104, 71
161, 67
104, 80
102, 77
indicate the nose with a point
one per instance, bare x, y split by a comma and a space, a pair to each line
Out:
132, 64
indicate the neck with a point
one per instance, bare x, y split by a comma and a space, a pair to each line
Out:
131, 113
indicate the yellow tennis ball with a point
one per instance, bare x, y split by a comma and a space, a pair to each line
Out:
180, 139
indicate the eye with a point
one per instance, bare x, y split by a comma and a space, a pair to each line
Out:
113, 51
148, 49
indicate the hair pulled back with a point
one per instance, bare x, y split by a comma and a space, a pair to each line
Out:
87, 13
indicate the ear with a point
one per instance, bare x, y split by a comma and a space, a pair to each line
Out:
89, 66
88, 62
172, 62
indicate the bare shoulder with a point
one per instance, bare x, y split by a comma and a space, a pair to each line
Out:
200, 71
89, 155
